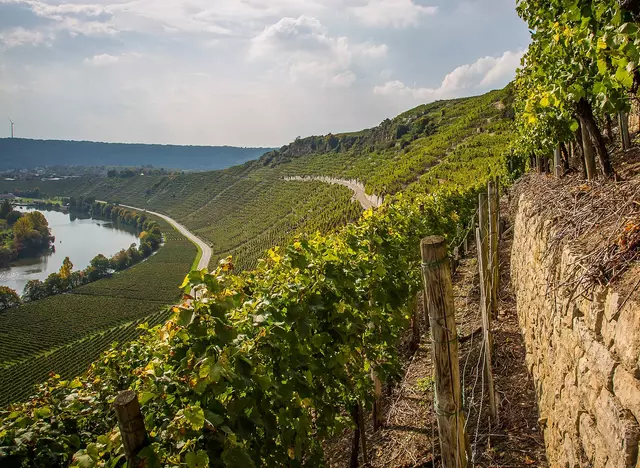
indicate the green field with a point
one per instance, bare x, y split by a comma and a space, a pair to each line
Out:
65, 333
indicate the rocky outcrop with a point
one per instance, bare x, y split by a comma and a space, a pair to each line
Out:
581, 351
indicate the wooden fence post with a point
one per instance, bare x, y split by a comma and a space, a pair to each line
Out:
415, 324
363, 436
486, 325
623, 125
588, 153
493, 246
557, 162
436, 274
377, 400
131, 423
483, 224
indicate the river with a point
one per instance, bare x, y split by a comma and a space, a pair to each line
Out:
79, 239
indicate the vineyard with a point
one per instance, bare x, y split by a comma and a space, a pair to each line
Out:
266, 365
245, 210
65, 333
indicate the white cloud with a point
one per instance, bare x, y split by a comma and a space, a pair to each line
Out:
394, 13
481, 74
19, 36
102, 60
304, 49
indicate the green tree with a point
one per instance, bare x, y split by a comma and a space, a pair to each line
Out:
8, 298
34, 290
98, 268
5, 209
13, 217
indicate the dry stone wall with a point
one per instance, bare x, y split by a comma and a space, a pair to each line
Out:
583, 352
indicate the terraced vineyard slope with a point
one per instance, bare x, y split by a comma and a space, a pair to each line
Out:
63, 334
244, 210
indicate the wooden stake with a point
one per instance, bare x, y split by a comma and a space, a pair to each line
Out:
557, 162
363, 437
623, 125
483, 224
131, 423
436, 274
486, 327
588, 153
377, 401
415, 324
492, 255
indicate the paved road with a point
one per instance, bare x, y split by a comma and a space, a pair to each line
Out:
206, 250
367, 201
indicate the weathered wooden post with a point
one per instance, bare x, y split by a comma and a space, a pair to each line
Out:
486, 325
377, 400
415, 324
557, 162
483, 224
131, 424
623, 125
436, 274
493, 247
363, 436
588, 153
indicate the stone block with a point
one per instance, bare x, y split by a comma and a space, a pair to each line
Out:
592, 443
627, 389
597, 358
618, 428
627, 337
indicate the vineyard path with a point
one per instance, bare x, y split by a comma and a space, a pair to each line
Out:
367, 201
206, 249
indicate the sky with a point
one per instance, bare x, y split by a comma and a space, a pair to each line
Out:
242, 72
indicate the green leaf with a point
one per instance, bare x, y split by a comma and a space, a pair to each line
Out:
195, 416
149, 456
145, 397
602, 66
44, 412
624, 77
198, 459
237, 457
210, 369
213, 418
83, 460
185, 317
574, 126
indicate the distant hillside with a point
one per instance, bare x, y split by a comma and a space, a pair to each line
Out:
20, 153
245, 209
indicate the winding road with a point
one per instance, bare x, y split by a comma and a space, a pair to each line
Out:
206, 249
359, 194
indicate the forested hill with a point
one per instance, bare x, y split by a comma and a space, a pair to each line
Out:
21, 153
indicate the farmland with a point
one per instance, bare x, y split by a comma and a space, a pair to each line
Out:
65, 333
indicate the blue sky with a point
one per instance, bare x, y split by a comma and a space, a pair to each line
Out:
242, 72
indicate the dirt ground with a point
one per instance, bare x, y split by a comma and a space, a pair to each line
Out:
409, 437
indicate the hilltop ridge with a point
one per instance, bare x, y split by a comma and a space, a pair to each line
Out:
22, 153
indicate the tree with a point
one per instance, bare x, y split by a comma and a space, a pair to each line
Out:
34, 290
22, 228
5, 209
66, 269
13, 217
98, 268
8, 298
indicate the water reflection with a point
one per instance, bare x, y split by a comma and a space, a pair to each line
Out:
78, 237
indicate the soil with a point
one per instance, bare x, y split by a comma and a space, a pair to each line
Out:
409, 436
